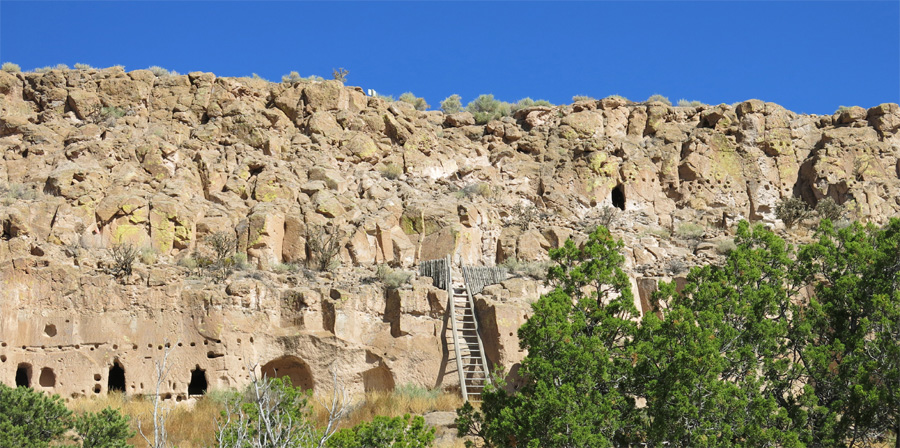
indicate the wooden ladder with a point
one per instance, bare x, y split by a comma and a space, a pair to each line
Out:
471, 362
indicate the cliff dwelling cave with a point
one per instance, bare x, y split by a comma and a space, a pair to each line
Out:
198, 382
291, 367
618, 197
23, 375
116, 378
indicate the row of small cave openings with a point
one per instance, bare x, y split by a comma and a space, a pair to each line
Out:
286, 366
115, 379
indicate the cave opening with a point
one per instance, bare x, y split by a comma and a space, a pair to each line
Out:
291, 367
198, 383
618, 197
23, 375
47, 378
116, 379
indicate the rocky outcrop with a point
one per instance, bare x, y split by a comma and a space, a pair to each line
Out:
96, 158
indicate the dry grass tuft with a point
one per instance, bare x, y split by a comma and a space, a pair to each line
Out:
189, 426
193, 425
403, 400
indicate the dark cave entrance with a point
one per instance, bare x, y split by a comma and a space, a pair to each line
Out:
198, 383
23, 375
116, 379
618, 197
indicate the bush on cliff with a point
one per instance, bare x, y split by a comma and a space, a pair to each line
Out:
418, 102
452, 104
792, 211
485, 108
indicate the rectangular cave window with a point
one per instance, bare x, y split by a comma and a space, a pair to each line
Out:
23, 375
198, 383
116, 379
618, 197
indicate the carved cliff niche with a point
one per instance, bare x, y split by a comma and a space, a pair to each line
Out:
47, 378
23, 375
292, 367
618, 197
378, 378
198, 384
116, 378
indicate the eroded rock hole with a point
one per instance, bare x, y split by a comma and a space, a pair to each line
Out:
23, 375
198, 383
50, 330
116, 379
618, 197
292, 367
47, 378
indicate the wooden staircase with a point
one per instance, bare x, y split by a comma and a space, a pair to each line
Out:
466, 342
464, 339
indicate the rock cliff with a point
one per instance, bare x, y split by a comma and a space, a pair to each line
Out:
98, 158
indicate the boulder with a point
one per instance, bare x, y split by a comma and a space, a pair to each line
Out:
459, 119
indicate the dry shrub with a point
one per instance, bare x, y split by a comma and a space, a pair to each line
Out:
476, 189
792, 211
323, 246
123, 258
724, 247
391, 278
391, 171
533, 269
828, 209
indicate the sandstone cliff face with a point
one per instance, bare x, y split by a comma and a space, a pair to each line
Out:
93, 158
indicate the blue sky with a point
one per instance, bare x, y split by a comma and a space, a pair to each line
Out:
807, 56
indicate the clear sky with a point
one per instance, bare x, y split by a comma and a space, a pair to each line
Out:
809, 56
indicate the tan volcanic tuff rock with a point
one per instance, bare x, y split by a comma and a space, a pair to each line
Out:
92, 159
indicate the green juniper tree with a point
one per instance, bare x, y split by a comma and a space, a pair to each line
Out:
715, 368
579, 356
772, 348
849, 334
105, 429
31, 419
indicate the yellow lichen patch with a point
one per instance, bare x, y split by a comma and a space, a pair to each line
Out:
139, 215
603, 165
267, 191
726, 162
182, 234
787, 171
124, 232
777, 142
568, 133
163, 234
